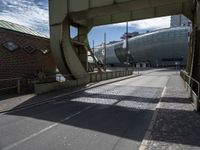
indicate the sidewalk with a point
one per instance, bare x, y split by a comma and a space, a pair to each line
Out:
177, 125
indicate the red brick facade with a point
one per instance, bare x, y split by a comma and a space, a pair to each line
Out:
19, 63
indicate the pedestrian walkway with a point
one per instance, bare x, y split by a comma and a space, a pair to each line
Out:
177, 125
20, 101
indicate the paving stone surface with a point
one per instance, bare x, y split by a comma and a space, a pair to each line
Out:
177, 126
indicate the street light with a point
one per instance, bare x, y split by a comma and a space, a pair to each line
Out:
105, 51
127, 46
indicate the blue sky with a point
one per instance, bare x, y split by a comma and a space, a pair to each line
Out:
34, 14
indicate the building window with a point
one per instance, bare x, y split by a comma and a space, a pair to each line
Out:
11, 46
73, 32
44, 51
29, 49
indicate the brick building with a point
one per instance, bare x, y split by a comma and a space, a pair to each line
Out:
23, 52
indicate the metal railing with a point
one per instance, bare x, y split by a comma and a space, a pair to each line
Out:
13, 83
191, 82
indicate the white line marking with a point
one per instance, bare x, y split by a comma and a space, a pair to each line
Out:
45, 129
162, 95
147, 136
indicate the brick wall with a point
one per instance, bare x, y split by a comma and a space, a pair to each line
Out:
19, 63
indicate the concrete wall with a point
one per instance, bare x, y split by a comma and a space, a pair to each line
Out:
94, 77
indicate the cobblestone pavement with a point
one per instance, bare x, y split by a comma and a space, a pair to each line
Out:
177, 126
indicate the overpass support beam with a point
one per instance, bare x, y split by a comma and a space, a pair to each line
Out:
71, 59
70, 55
82, 52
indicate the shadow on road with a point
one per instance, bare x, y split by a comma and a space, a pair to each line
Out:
121, 115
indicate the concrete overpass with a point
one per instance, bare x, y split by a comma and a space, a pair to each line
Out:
71, 56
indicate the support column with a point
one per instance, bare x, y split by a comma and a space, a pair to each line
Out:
70, 60
195, 61
195, 72
82, 52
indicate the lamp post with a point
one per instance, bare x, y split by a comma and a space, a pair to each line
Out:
93, 46
105, 51
127, 46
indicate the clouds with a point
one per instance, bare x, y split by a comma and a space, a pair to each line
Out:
31, 13
34, 14
149, 24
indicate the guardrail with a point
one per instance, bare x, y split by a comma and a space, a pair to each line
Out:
100, 76
194, 88
65, 81
15, 83
93, 77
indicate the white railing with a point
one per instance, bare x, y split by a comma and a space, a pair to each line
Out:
191, 82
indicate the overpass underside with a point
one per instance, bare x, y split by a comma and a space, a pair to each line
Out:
71, 54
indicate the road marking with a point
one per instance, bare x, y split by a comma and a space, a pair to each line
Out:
162, 95
45, 129
147, 137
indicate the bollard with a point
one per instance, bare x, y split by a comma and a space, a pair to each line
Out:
18, 86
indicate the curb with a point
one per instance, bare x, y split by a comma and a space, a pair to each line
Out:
67, 94
147, 138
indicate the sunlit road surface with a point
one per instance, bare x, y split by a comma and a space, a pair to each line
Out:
110, 117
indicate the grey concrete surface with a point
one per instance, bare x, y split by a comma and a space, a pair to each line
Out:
177, 126
110, 117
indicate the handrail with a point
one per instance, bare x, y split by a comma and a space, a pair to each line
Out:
10, 79
191, 80
17, 86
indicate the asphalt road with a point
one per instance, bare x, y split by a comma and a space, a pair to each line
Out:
110, 117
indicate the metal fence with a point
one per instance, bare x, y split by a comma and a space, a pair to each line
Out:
192, 83
10, 83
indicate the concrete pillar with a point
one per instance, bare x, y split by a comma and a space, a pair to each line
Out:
195, 66
82, 52
195, 52
66, 56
